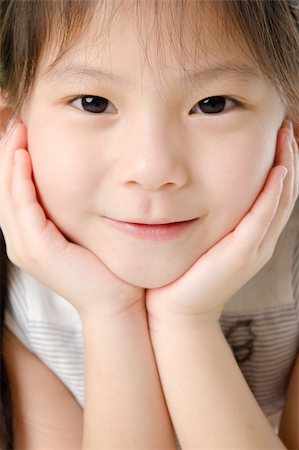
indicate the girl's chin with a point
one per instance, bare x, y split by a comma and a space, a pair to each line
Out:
146, 280
146, 277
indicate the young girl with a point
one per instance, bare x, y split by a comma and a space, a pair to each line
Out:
148, 185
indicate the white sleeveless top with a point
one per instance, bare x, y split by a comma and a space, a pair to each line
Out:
260, 323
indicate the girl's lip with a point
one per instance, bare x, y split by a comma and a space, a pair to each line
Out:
152, 232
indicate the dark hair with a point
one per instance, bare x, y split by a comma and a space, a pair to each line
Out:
269, 30
29, 28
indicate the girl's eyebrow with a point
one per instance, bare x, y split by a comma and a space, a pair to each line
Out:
71, 72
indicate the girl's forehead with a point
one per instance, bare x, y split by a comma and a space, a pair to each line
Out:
160, 36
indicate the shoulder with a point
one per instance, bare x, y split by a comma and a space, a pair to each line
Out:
46, 415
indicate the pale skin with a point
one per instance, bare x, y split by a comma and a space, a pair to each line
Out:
160, 320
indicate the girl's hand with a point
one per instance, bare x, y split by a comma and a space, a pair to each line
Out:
202, 292
36, 245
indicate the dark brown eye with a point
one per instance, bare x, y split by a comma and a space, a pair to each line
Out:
216, 104
94, 104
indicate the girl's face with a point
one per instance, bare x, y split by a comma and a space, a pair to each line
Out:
142, 148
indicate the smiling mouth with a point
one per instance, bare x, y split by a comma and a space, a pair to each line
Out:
155, 232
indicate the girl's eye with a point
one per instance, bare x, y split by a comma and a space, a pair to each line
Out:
92, 104
216, 104
210, 105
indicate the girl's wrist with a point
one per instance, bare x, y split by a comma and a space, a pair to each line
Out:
103, 315
172, 322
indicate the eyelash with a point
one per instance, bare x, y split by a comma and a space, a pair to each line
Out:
236, 103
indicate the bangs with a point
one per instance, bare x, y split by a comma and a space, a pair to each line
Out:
257, 28
163, 27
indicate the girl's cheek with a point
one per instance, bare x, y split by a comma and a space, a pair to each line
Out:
236, 181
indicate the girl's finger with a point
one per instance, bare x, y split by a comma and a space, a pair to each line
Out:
254, 226
285, 157
35, 238
15, 138
289, 193
8, 143
30, 215
273, 205
289, 150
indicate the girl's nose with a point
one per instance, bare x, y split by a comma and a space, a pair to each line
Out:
153, 158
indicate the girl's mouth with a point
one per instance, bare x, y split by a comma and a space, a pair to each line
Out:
155, 232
